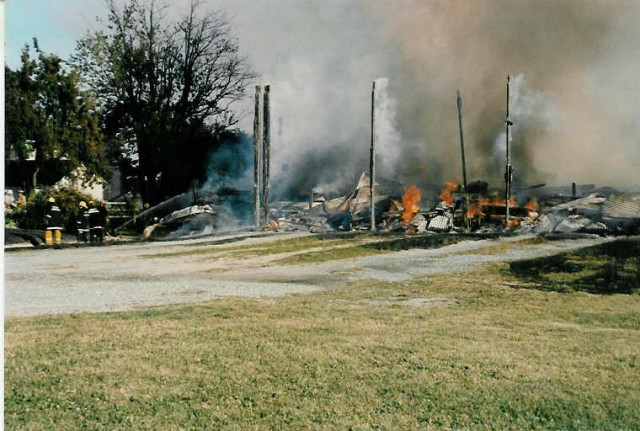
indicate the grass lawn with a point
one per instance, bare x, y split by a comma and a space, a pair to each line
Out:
480, 351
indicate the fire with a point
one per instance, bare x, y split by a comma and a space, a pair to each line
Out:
497, 201
410, 203
513, 222
532, 205
479, 207
473, 209
446, 195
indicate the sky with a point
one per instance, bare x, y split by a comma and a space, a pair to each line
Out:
573, 67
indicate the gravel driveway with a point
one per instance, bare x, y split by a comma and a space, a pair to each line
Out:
133, 276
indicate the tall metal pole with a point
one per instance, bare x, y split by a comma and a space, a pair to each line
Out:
257, 143
464, 164
266, 149
509, 170
372, 162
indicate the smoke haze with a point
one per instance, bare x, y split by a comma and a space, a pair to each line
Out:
573, 95
572, 102
575, 85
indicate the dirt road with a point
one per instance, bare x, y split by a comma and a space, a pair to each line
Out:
140, 275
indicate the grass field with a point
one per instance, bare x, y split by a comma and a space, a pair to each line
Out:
487, 350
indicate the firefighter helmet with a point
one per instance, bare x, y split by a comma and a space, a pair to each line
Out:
82, 204
52, 200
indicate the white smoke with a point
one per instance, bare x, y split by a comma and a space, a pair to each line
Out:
528, 108
575, 120
388, 139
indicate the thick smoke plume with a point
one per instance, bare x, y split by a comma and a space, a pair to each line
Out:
574, 88
567, 128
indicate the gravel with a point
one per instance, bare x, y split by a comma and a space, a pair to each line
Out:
132, 276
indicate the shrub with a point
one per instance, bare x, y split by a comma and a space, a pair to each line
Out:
33, 215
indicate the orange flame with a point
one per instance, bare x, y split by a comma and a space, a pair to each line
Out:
410, 203
473, 209
446, 195
532, 205
497, 201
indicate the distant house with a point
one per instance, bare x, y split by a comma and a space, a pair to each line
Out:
98, 188
58, 172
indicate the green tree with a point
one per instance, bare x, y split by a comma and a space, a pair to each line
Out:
167, 87
49, 117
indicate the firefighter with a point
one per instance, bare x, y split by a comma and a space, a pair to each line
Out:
104, 217
96, 225
22, 199
53, 234
83, 222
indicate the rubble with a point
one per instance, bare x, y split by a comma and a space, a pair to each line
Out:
479, 210
193, 218
597, 212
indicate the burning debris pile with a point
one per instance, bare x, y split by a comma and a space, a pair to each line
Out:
381, 205
396, 208
479, 210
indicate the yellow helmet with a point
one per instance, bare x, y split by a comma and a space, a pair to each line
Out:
82, 204
52, 200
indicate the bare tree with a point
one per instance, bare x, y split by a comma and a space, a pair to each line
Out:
164, 86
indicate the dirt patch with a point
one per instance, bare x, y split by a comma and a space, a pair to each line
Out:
138, 275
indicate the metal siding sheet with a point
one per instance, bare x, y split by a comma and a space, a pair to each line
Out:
622, 207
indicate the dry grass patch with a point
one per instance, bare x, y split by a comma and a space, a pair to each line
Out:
503, 247
276, 246
502, 358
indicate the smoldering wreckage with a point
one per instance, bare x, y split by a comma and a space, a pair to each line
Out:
582, 209
383, 205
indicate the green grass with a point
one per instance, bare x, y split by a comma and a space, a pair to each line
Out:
335, 253
612, 267
260, 249
502, 358
297, 250
503, 247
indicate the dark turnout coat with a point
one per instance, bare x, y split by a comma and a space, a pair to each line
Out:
54, 217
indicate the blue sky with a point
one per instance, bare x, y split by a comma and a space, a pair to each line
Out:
56, 23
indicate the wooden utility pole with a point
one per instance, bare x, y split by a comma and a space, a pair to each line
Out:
266, 148
509, 170
372, 162
464, 164
257, 143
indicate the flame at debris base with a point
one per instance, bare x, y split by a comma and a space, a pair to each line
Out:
410, 201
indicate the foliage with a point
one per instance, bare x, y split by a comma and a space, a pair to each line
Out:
32, 216
167, 89
608, 268
48, 114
